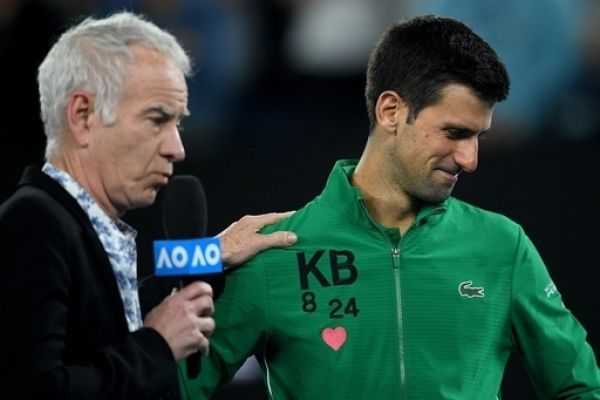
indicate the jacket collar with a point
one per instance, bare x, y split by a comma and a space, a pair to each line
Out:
347, 199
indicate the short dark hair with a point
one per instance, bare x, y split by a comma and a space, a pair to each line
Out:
420, 57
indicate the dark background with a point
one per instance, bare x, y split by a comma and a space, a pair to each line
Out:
267, 124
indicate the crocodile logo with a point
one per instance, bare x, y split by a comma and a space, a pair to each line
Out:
465, 289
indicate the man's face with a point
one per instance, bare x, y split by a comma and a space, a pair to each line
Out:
134, 156
429, 154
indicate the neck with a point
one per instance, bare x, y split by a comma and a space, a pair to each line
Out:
74, 167
386, 202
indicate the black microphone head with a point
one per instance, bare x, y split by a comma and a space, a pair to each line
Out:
184, 208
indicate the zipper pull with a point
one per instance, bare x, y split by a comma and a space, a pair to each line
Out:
396, 257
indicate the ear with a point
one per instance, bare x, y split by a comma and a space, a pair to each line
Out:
390, 111
80, 111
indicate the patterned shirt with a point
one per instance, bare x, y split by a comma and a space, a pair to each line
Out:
118, 240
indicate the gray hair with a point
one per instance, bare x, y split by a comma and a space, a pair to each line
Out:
93, 56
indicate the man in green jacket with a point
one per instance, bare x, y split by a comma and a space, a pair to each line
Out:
395, 290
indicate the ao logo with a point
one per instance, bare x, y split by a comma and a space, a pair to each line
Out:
187, 257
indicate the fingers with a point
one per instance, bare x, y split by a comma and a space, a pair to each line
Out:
203, 306
198, 296
204, 346
255, 223
277, 239
271, 218
199, 342
184, 319
241, 240
195, 289
206, 327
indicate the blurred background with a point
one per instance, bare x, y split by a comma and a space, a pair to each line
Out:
277, 97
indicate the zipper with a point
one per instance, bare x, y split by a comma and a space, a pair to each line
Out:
396, 268
395, 253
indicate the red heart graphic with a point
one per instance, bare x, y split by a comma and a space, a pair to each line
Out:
335, 338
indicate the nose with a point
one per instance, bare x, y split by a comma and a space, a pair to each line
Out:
172, 147
466, 153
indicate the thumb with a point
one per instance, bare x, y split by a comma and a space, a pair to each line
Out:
278, 239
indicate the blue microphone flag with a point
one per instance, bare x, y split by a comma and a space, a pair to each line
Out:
187, 257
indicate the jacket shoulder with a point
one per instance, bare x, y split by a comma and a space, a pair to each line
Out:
481, 220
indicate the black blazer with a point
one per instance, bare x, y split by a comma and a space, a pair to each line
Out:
64, 333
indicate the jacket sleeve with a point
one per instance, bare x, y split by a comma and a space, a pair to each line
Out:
58, 338
241, 329
552, 342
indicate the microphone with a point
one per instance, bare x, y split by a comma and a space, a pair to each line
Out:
184, 209
185, 216
186, 254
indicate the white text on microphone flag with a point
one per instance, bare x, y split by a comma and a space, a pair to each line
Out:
187, 257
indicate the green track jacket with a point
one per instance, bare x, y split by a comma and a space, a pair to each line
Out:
354, 311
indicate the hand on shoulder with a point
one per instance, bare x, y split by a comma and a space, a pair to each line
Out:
241, 240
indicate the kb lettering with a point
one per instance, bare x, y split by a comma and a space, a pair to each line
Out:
341, 267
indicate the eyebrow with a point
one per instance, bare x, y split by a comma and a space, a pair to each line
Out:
165, 113
464, 131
